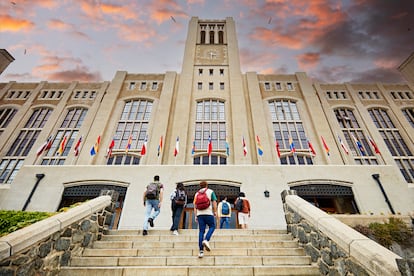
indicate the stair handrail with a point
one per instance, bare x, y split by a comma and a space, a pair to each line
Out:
32, 234
374, 258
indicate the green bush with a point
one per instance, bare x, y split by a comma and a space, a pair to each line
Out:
387, 233
11, 221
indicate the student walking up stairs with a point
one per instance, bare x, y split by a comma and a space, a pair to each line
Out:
233, 252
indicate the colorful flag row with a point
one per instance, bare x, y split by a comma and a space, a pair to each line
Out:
95, 148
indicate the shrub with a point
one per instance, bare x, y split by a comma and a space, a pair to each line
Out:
387, 233
11, 221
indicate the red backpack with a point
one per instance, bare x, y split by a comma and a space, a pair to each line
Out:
202, 201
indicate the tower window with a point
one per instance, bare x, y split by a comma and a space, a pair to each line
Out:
211, 72
210, 86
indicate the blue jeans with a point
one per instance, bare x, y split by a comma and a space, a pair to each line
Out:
149, 205
203, 221
225, 221
176, 215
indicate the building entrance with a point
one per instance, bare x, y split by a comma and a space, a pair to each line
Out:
334, 199
81, 193
221, 190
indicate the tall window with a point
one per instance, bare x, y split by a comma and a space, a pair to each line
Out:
6, 115
355, 137
395, 142
132, 127
14, 158
65, 137
408, 113
210, 122
287, 128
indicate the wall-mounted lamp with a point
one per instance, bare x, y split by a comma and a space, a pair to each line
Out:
266, 193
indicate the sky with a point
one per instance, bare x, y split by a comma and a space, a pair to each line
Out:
89, 40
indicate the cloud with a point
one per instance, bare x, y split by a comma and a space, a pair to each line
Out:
162, 10
124, 11
255, 61
78, 74
65, 68
308, 60
59, 25
12, 24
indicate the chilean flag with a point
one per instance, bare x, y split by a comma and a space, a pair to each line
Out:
177, 146
244, 147
144, 146
210, 146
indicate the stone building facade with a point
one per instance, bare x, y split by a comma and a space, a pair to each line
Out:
345, 147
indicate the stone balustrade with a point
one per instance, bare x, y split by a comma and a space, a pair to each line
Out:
337, 248
41, 248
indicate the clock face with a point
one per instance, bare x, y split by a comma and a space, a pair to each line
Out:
211, 54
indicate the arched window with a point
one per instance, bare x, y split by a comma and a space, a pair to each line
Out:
65, 137
355, 137
290, 133
21, 146
210, 123
211, 37
213, 159
221, 37
408, 113
203, 37
395, 142
123, 159
6, 115
132, 127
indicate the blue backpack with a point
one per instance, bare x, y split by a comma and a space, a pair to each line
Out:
225, 210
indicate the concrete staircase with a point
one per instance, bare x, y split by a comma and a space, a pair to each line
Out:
234, 252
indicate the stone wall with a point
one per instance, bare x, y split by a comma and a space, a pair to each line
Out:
335, 247
38, 250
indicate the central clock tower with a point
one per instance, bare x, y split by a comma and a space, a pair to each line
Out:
211, 75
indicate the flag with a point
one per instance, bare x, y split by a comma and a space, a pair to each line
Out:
376, 149
227, 148
311, 149
111, 146
45, 146
144, 146
159, 147
291, 145
210, 146
128, 146
177, 146
77, 146
325, 145
244, 147
95, 147
259, 146
277, 148
62, 146
193, 148
359, 145
343, 145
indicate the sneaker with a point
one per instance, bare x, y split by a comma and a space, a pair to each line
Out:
151, 222
201, 254
175, 232
206, 245
144, 232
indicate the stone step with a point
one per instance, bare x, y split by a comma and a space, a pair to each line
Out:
194, 237
186, 244
191, 270
237, 232
192, 251
208, 260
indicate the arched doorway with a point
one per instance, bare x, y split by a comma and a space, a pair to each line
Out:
79, 193
331, 198
222, 189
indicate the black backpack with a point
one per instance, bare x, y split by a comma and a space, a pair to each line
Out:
152, 191
239, 204
179, 198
